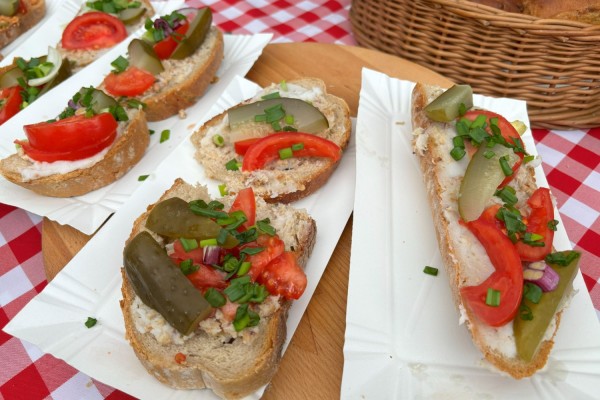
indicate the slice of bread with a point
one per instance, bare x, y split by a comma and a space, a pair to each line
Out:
232, 367
464, 258
183, 81
79, 58
13, 27
282, 180
128, 148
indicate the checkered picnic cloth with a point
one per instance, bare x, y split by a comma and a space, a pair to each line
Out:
571, 162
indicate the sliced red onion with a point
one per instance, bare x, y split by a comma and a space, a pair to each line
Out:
162, 24
542, 275
212, 255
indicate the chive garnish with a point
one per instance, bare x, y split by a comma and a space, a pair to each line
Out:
188, 244
208, 242
165, 135
506, 169
285, 153
142, 178
532, 292
297, 146
232, 165
430, 270
90, 322
492, 297
223, 190
214, 297
218, 140
187, 266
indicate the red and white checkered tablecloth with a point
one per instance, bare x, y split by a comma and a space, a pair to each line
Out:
571, 162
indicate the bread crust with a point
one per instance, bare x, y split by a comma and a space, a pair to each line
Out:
431, 163
15, 26
277, 183
175, 98
127, 150
201, 368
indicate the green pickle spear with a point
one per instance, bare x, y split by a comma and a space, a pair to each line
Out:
446, 106
530, 333
199, 27
162, 286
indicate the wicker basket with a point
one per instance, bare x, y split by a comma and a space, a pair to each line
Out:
553, 65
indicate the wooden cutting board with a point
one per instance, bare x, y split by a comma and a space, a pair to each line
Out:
313, 363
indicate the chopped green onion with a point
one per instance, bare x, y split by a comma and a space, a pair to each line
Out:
218, 140
458, 141
188, 244
151, 131
274, 95
505, 167
462, 109
264, 225
457, 153
252, 250
215, 298
508, 195
552, 225
276, 126
492, 298
563, 258
188, 267
297, 146
525, 312
488, 154
285, 153
430, 270
289, 119
532, 292
283, 85
90, 322
244, 268
208, 242
260, 118
222, 236
120, 64
232, 165
223, 190
164, 135
528, 159
142, 178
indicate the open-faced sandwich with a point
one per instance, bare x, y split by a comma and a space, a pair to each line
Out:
207, 285
171, 65
92, 143
99, 26
285, 142
24, 81
495, 228
17, 17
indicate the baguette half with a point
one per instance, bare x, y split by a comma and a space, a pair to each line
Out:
232, 367
464, 258
128, 148
282, 180
13, 27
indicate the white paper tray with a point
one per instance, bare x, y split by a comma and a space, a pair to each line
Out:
403, 340
90, 284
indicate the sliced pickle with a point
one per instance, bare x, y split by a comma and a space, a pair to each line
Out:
11, 77
529, 334
481, 180
174, 219
143, 56
131, 15
9, 8
306, 117
100, 101
64, 72
446, 106
162, 286
199, 27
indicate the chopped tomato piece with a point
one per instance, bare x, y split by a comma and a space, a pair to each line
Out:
166, 47
72, 138
11, 103
283, 276
267, 149
245, 202
206, 277
179, 254
93, 30
229, 310
509, 133
542, 212
242, 146
507, 277
273, 248
131, 82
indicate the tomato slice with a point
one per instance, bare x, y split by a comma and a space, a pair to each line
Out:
507, 277
131, 82
267, 149
93, 30
206, 277
242, 146
245, 202
72, 138
273, 248
11, 98
167, 46
283, 276
179, 254
542, 212
509, 133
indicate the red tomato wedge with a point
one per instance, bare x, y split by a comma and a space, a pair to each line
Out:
131, 82
273, 248
283, 276
69, 139
542, 212
206, 277
11, 97
166, 47
508, 131
245, 202
507, 277
179, 254
242, 146
93, 30
267, 149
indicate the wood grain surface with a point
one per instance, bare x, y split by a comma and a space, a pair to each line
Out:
312, 365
